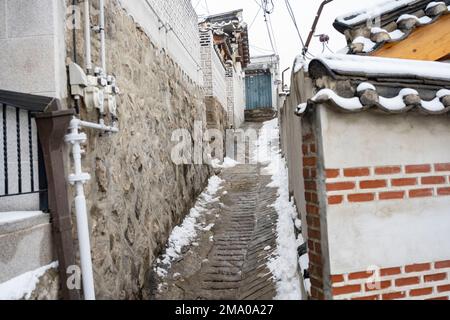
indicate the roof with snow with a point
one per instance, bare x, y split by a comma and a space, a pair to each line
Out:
358, 83
227, 25
391, 21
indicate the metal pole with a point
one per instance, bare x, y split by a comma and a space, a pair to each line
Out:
314, 26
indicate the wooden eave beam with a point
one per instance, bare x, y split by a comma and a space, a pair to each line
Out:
430, 43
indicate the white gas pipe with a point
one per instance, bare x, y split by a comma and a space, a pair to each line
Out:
75, 138
102, 36
87, 36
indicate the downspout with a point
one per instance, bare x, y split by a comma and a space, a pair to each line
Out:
87, 37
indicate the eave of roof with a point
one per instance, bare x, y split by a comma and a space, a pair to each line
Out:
402, 18
392, 86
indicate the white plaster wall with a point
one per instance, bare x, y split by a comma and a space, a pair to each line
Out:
32, 46
388, 233
182, 41
369, 139
238, 96
219, 84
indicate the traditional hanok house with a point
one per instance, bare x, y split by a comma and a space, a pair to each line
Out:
262, 86
225, 53
366, 139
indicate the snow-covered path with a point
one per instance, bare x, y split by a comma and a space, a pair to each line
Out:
238, 242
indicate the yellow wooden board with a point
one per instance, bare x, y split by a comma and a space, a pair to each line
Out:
430, 43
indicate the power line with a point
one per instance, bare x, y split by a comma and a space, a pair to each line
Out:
260, 49
264, 6
198, 2
273, 34
292, 15
254, 19
207, 7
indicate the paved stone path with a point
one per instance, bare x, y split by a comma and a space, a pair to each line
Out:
230, 260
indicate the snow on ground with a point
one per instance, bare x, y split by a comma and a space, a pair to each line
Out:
184, 235
23, 286
227, 163
284, 264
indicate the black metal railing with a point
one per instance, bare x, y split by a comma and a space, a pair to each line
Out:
22, 168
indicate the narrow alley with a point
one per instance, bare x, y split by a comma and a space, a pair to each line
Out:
236, 241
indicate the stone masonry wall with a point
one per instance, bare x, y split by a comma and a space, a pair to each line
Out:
137, 195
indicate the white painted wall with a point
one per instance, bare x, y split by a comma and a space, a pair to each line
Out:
378, 139
33, 47
386, 233
238, 96
180, 37
218, 80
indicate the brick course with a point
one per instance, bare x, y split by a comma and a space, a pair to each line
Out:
415, 281
313, 215
384, 183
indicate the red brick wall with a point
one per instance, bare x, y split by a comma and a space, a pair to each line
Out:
419, 281
312, 214
387, 183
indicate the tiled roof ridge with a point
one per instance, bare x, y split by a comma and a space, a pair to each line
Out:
367, 97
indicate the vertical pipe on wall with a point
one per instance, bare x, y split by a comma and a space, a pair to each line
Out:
75, 138
102, 35
87, 36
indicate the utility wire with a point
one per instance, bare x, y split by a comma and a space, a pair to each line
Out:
207, 7
254, 19
260, 49
264, 6
292, 15
273, 34
196, 6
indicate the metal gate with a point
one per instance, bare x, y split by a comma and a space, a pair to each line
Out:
259, 91
23, 183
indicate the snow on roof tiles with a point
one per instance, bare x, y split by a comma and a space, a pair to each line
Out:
358, 17
420, 85
388, 67
367, 97
396, 20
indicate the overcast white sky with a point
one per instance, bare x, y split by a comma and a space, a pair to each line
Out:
287, 41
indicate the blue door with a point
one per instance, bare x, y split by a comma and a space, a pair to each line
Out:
259, 91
